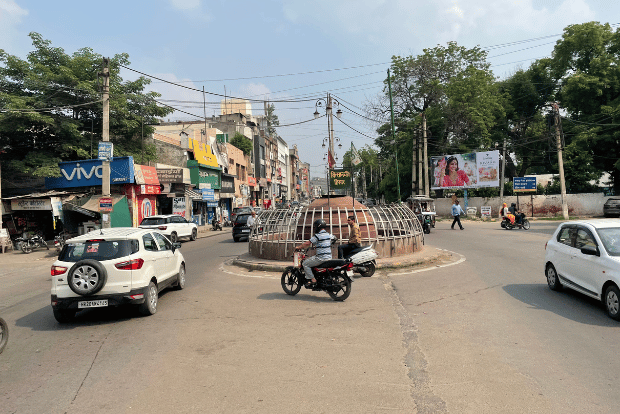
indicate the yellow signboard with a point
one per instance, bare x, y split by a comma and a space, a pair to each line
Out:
203, 153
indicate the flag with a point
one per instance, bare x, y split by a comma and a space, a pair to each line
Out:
330, 159
355, 156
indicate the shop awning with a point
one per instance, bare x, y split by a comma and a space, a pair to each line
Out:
91, 206
52, 193
193, 195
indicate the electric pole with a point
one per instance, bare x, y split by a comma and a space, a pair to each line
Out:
558, 137
105, 180
414, 179
394, 135
425, 156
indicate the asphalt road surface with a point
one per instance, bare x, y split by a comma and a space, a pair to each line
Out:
481, 335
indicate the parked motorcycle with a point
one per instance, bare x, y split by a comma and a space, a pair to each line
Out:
4, 334
227, 223
333, 277
216, 225
28, 244
364, 260
506, 224
60, 240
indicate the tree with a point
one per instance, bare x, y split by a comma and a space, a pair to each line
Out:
51, 101
272, 120
586, 61
242, 143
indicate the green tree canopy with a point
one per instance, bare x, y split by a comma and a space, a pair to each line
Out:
242, 143
51, 102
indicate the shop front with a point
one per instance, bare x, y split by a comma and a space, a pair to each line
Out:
142, 196
86, 176
204, 177
174, 181
32, 214
227, 194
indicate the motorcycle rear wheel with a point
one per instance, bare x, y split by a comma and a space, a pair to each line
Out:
342, 288
291, 283
370, 270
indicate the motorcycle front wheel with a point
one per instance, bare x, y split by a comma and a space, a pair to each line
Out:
291, 281
4, 334
526, 224
25, 247
340, 289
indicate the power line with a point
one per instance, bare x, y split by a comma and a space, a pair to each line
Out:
49, 109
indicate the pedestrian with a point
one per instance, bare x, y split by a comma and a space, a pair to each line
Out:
457, 210
251, 219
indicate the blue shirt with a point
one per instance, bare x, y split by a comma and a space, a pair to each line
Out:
457, 210
323, 243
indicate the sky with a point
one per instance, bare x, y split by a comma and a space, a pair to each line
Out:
292, 52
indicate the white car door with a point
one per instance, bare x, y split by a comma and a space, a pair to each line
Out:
564, 251
586, 269
166, 260
182, 226
151, 256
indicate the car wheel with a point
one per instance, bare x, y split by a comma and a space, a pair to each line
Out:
235, 239
87, 277
173, 237
181, 278
64, 315
552, 278
612, 302
149, 307
194, 235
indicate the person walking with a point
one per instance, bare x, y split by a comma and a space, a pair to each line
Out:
457, 210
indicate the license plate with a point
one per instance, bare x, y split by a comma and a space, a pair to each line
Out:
350, 273
93, 304
245, 231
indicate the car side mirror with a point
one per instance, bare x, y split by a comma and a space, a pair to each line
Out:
590, 250
176, 245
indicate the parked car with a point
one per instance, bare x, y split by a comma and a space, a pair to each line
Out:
111, 267
172, 226
585, 256
611, 208
240, 228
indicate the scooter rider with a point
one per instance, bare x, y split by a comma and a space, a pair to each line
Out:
355, 238
322, 240
513, 210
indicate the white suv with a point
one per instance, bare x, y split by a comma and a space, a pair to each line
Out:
172, 226
585, 256
111, 267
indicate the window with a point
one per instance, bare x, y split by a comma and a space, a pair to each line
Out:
242, 173
564, 236
98, 250
238, 171
149, 243
153, 221
162, 242
178, 219
584, 238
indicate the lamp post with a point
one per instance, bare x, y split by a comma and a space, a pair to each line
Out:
328, 104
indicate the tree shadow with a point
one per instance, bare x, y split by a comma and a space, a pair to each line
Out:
299, 296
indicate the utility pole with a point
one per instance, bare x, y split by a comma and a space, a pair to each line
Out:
419, 162
393, 134
105, 135
501, 183
414, 178
558, 137
425, 156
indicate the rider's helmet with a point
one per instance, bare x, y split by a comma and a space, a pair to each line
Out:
318, 225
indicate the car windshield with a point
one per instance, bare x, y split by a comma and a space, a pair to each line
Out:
153, 221
98, 250
611, 240
243, 219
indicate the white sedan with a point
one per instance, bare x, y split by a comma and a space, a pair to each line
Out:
585, 256
172, 226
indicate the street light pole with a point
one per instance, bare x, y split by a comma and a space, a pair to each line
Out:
105, 180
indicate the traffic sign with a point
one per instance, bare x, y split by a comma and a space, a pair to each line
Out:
105, 205
522, 184
106, 151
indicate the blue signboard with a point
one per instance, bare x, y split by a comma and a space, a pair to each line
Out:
524, 184
211, 203
208, 194
106, 151
88, 173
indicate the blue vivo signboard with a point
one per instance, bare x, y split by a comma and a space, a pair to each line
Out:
524, 184
88, 173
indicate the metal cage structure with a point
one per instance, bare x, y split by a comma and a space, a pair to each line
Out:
394, 229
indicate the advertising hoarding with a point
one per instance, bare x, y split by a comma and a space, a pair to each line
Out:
88, 173
472, 170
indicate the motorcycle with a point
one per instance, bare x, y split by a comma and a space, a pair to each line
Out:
28, 244
60, 240
227, 223
333, 277
216, 225
4, 334
364, 260
506, 224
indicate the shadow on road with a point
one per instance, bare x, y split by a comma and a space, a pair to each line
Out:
299, 296
565, 303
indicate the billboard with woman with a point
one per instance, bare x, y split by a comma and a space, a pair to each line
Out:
472, 170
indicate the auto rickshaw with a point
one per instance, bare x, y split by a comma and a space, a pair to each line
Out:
424, 209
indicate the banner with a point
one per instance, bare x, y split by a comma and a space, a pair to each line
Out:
473, 170
339, 179
178, 206
330, 159
355, 156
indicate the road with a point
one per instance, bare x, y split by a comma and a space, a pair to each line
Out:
483, 335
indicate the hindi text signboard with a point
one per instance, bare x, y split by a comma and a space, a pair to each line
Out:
105, 205
339, 179
523, 184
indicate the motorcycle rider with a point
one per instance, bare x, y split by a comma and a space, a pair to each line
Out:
506, 213
355, 237
513, 210
322, 240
